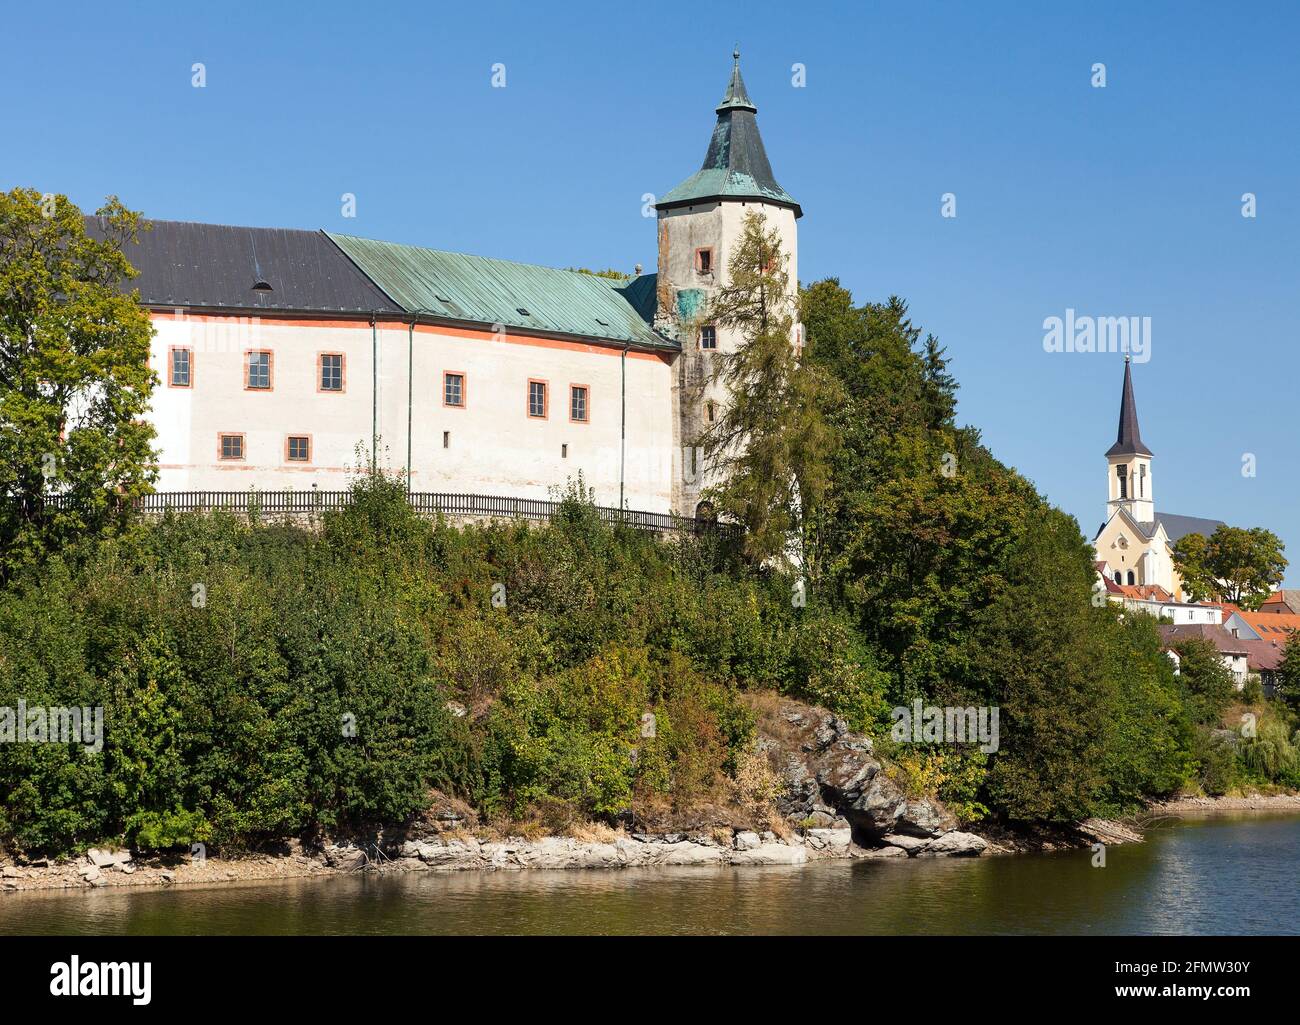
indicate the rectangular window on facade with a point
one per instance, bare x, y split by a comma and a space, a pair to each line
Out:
578, 403
298, 448
179, 375
453, 389
259, 371
708, 337
232, 446
704, 261
331, 371
537, 399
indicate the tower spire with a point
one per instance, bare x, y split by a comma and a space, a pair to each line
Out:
1128, 439
736, 98
736, 164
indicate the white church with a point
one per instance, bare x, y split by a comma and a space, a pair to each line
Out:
282, 353
1135, 545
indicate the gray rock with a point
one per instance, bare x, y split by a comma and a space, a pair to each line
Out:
909, 844
746, 841
876, 852
954, 845
9, 872
771, 854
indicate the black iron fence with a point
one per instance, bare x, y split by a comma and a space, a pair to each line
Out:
426, 503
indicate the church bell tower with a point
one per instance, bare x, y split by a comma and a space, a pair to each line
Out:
1128, 461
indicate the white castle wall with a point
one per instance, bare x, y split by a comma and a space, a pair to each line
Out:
494, 446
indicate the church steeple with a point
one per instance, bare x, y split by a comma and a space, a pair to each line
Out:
1128, 440
736, 164
1128, 461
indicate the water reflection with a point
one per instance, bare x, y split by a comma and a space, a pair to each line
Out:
1215, 876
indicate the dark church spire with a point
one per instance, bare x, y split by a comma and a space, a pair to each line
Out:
1128, 441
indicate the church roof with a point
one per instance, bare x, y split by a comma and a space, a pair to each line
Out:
1128, 440
481, 290
1178, 527
215, 266
736, 164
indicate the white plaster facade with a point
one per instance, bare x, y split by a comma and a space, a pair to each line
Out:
492, 445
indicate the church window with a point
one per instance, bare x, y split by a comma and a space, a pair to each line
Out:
578, 403
1123, 481
298, 448
1142, 481
331, 371
257, 374
179, 373
708, 337
1119, 576
537, 399
704, 260
1131, 579
453, 389
231, 446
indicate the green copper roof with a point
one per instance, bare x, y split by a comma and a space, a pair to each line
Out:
736, 164
479, 290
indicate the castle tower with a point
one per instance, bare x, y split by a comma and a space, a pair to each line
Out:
699, 222
1129, 461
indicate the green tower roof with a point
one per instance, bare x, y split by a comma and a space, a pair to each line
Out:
736, 164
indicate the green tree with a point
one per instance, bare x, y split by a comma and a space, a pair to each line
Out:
74, 375
771, 445
1289, 672
1208, 683
1231, 565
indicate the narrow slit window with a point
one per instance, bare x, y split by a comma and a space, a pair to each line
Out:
564, 451
446, 439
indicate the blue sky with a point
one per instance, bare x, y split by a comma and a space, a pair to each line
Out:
1114, 202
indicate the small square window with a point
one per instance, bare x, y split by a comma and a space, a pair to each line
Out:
708, 337
259, 371
180, 368
578, 403
453, 389
299, 449
704, 261
232, 446
537, 399
331, 371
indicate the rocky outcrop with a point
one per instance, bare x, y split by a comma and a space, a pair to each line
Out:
833, 779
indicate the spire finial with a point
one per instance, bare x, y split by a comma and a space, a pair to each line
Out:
735, 54
1128, 357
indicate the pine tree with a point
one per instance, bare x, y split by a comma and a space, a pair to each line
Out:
770, 446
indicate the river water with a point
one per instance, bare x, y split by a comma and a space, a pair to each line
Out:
1220, 875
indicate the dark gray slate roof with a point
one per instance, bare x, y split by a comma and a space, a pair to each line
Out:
1177, 527
182, 263
736, 164
1215, 634
1128, 440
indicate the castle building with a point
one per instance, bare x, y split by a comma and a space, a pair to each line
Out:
288, 358
1135, 543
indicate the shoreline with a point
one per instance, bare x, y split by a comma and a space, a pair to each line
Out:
1200, 806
